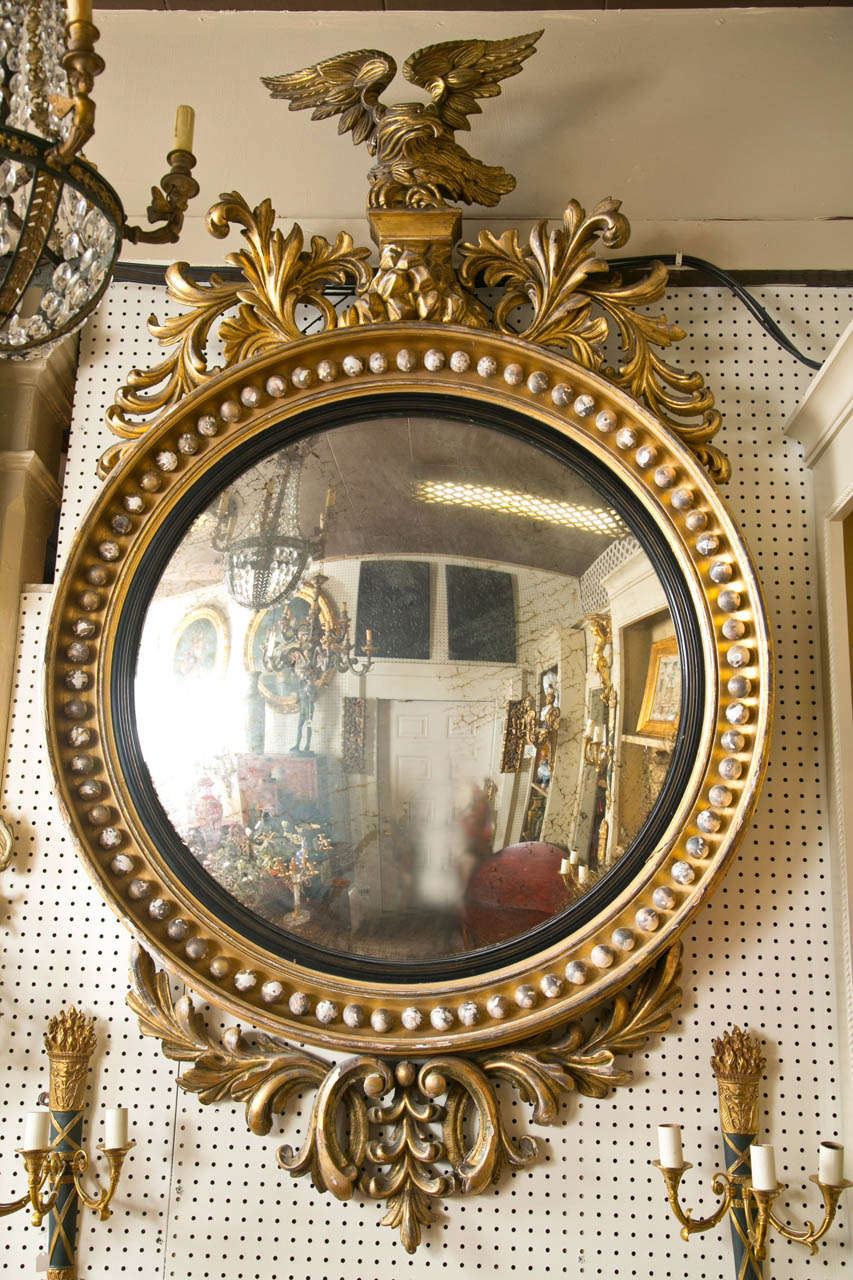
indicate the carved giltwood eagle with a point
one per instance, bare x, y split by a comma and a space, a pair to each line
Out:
418, 162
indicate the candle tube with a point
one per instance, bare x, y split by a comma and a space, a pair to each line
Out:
79, 10
583, 874
596, 734
184, 125
574, 857
368, 635
37, 1130
669, 1146
763, 1162
564, 866
116, 1128
588, 733
830, 1168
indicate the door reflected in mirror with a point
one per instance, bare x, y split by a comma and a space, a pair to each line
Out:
408, 688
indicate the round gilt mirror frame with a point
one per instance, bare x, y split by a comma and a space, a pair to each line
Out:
417, 1059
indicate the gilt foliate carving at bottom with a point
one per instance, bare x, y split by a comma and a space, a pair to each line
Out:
405, 1132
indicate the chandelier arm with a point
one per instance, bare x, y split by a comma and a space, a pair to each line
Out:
82, 65
168, 202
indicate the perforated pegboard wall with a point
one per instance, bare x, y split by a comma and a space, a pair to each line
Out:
202, 1200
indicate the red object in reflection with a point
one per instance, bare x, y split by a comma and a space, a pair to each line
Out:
477, 823
512, 891
208, 811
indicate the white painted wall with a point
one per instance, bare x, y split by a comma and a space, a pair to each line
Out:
724, 132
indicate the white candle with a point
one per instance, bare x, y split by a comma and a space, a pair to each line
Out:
574, 857
763, 1162
116, 1128
583, 874
596, 734
37, 1130
830, 1167
669, 1146
588, 729
79, 10
184, 125
564, 866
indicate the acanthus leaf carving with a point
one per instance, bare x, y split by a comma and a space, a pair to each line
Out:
186, 367
578, 302
263, 1076
280, 275
443, 1111
277, 275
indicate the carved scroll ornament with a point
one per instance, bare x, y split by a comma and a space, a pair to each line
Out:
441, 1130
561, 293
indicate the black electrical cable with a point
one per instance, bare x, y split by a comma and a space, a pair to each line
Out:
752, 304
148, 274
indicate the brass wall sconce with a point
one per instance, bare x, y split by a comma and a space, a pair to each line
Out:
748, 1187
596, 749
52, 1150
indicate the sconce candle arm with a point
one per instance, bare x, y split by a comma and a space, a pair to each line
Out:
758, 1230
13, 1206
99, 1203
766, 1217
720, 1185
42, 1165
38, 1171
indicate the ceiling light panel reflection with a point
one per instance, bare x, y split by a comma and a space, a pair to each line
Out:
527, 505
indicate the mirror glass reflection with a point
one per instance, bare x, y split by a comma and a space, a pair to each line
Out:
408, 688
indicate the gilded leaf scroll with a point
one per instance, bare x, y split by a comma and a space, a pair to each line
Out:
278, 274
441, 1130
578, 302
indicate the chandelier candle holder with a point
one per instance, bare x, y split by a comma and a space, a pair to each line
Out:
61, 223
574, 872
319, 646
53, 1155
748, 1187
296, 873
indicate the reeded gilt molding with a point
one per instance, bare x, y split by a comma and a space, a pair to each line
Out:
579, 303
442, 1129
7, 845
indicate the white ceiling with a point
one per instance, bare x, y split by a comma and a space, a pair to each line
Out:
726, 133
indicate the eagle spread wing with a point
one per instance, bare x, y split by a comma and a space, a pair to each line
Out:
458, 72
348, 85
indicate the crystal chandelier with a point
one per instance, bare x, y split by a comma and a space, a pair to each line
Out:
61, 223
316, 649
264, 564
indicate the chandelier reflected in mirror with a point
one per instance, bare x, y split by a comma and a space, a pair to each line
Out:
61, 223
264, 563
317, 647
